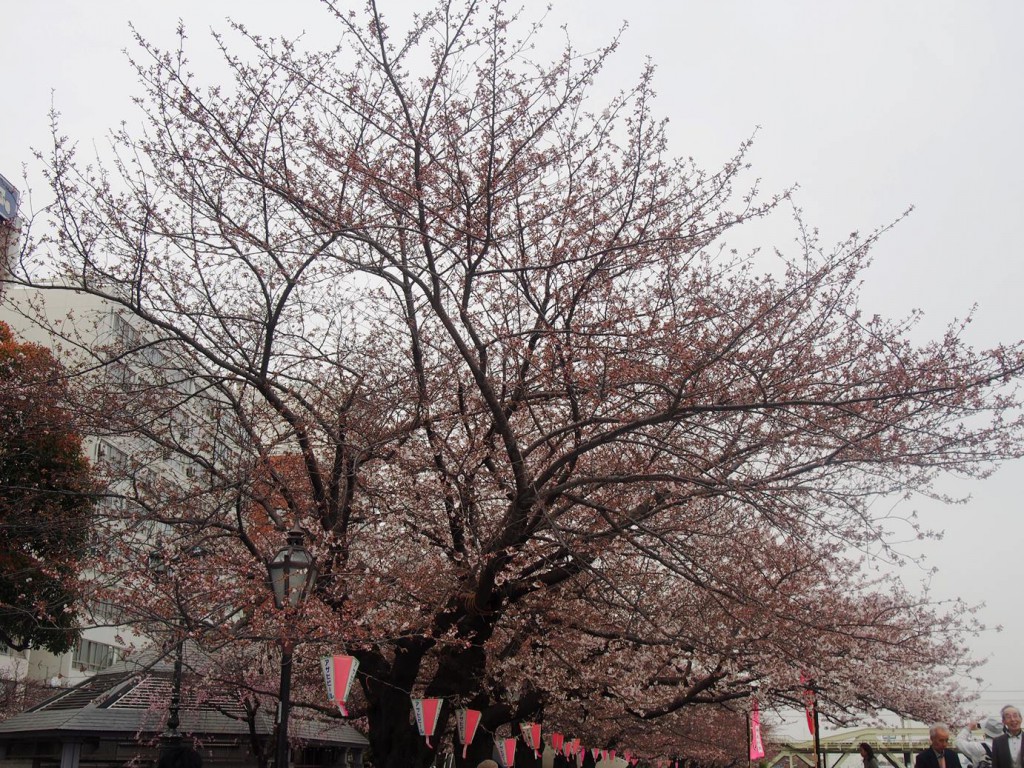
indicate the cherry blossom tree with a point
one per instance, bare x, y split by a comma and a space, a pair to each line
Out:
561, 454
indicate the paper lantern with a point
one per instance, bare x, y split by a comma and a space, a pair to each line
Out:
339, 674
427, 712
468, 720
531, 735
558, 742
506, 751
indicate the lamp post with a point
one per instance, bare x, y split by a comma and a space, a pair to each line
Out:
171, 737
292, 577
812, 688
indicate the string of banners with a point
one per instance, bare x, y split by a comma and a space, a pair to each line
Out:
340, 672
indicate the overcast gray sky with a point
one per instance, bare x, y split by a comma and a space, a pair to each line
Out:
870, 106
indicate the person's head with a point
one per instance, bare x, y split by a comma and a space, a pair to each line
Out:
1011, 718
992, 727
866, 751
488, 764
180, 756
939, 736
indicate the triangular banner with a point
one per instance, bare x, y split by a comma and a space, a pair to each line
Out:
467, 720
427, 711
339, 674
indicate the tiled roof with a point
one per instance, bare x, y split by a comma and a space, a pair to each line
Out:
131, 699
85, 693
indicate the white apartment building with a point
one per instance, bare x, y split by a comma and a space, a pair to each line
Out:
78, 328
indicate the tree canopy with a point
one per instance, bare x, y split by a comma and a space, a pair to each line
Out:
561, 454
46, 499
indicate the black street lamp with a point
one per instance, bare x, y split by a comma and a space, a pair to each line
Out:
292, 577
811, 691
171, 736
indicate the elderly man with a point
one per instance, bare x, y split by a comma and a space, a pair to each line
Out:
939, 755
1006, 748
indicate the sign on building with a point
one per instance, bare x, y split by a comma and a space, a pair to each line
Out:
8, 200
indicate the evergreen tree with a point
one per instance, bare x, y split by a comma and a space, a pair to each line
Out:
46, 496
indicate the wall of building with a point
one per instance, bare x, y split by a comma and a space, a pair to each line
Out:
76, 326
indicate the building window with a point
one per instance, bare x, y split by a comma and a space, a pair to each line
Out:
91, 656
125, 333
106, 612
112, 456
6, 650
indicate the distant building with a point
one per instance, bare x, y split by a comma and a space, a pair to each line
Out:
894, 747
8, 200
83, 330
10, 228
116, 718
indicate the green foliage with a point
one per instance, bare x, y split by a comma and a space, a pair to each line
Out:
46, 498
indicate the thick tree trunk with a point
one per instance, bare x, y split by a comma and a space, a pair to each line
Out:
394, 740
480, 749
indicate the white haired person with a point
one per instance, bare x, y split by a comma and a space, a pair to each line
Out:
1006, 749
938, 754
978, 752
